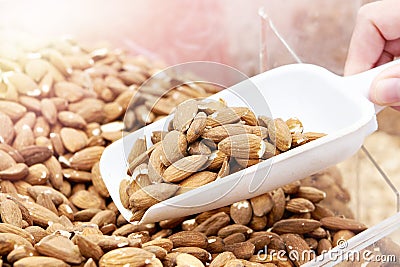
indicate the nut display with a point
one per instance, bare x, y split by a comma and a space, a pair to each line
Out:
62, 103
207, 140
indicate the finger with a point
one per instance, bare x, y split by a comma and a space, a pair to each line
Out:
396, 108
385, 58
385, 89
393, 47
376, 23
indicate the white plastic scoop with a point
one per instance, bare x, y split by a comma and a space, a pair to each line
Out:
323, 101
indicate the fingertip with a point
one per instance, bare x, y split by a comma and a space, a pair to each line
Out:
386, 92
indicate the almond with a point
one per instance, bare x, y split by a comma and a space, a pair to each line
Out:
184, 167
156, 167
6, 161
40, 261
49, 110
10, 213
85, 200
219, 133
24, 138
242, 250
35, 154
213, 224
311, 193
185, 259
55, 170
339, 223
71, 119
241, 212
243, 146
222, 116
295, 244
246, 115
295, 126
24, 84
15, 172
262, 204
174, 147
41, 127
279, 134
138, 148
222, 259
59, 247
37, 68
151, 195
197, 127
233, 229
69, 91
299, 205
88, 248
13, 110
297, 226
98, 182
86, 158
198, 179
341, 235
184, 115
73, 140
189, 239
7, 129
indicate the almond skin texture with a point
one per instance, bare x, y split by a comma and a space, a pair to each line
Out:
151, 195
184, 167
246, 146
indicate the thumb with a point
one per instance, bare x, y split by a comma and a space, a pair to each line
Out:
385, 89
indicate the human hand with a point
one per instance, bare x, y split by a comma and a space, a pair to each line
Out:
375, 41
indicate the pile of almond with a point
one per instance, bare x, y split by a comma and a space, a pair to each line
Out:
61, 104
207, 140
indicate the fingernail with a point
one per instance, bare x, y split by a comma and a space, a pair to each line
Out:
387, 92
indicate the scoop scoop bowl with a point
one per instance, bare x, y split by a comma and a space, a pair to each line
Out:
323, 101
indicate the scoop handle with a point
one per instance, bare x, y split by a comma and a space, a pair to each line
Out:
362, 81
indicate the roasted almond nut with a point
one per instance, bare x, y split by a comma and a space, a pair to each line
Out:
185, 259
300, 205
243, 146
10, 213
184, 167
311, 193
56, 176
138, 148
246, 115
339, 223
198, 179
49, 110
222, 259
5, 160
279, 134
233, 229
197, 127
28, 120
35, 154
219, 133
85, 200
296, 244
69, 91
88, 248
222, 116
59, 247
73, 140
40, 261
241, 212
151, 195
296, 226
24, 138
7, 132
86, 158
189, 239
41, 127
13, 110
295, 126
242, 250
213, 224
173, 147
184, 115
71, 119
262, 204
15, 172
98, 182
